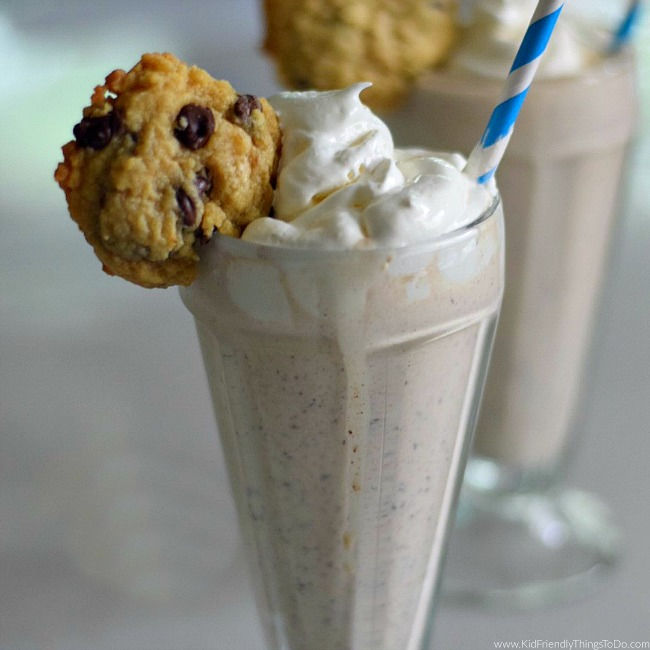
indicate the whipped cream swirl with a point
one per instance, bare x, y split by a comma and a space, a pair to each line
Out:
342, 184
492, 33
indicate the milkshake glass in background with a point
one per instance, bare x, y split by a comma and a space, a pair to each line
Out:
559, 180
346, 384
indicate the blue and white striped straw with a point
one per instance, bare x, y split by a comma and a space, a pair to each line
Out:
625, 30
486, 156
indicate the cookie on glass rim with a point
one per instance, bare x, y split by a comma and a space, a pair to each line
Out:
164, 156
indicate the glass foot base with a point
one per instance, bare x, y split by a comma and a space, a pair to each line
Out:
527, 550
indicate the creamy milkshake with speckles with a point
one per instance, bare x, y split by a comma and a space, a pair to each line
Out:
559, 181
346, 341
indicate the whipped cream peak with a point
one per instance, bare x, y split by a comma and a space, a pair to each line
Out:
342, 184
329, 139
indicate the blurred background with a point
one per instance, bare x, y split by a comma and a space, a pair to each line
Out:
116, 526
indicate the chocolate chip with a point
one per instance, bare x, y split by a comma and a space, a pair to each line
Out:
203, 183
186, 206
201, 237
244, 106
195, 125
97, 132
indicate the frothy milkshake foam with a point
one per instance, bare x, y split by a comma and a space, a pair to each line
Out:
345, 342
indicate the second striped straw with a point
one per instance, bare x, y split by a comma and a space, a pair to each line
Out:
626, 28
487, 154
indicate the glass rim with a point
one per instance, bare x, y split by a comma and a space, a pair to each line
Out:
238, 246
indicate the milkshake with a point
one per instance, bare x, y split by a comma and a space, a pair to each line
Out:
345, 295
346, 342
559, 180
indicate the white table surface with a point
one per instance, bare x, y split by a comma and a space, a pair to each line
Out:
116, 527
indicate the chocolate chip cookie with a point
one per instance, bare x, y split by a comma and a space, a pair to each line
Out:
328, 44
164, 156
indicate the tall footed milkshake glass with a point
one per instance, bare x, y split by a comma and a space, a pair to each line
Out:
522, 537
346, 348
346, 385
